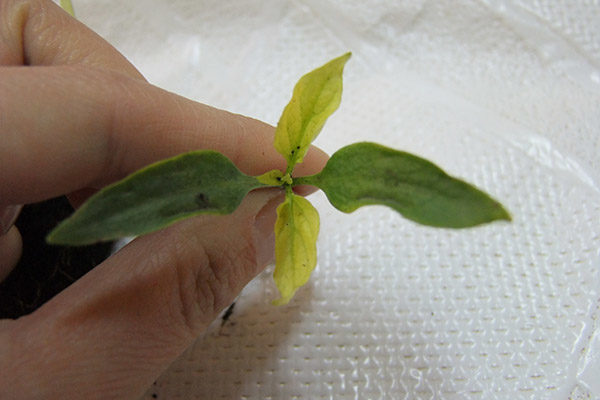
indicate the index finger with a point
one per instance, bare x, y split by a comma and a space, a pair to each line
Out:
92, 120
71, 127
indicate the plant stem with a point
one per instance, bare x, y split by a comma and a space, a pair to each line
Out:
305, 180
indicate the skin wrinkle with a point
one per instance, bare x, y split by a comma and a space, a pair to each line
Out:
40, 29
177, 260
17, 16
227, 273
190, 262
18, 359
248, 252
161, 120
251, 138
224, 274
203, 274
37, 17
116, 156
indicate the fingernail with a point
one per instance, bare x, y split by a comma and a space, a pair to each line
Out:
264, 235
8, 216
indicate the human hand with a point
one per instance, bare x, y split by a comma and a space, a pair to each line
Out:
75, 116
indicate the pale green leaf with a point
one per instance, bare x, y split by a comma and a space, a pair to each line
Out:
271, 178
316, 96
368, 173
296, 231
199, 182
67, 6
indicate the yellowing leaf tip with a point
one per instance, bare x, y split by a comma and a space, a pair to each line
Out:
315, 97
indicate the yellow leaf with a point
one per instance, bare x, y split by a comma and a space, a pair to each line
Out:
296, 231
67, 6
316, 96
272, 178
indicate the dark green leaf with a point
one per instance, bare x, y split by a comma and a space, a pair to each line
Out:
199, 182
368, 173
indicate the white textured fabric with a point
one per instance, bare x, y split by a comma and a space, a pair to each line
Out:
503, 93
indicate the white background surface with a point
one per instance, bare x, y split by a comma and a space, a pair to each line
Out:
505, 94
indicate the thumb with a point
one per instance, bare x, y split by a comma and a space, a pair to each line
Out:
111, 333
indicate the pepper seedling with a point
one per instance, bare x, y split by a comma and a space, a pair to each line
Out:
207, 182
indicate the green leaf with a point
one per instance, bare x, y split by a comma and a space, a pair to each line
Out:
67, 6
271, 178
368, 173
199, 182
316, 96
296, 231
275, 178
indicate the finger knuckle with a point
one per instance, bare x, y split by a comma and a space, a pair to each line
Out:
204, 280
